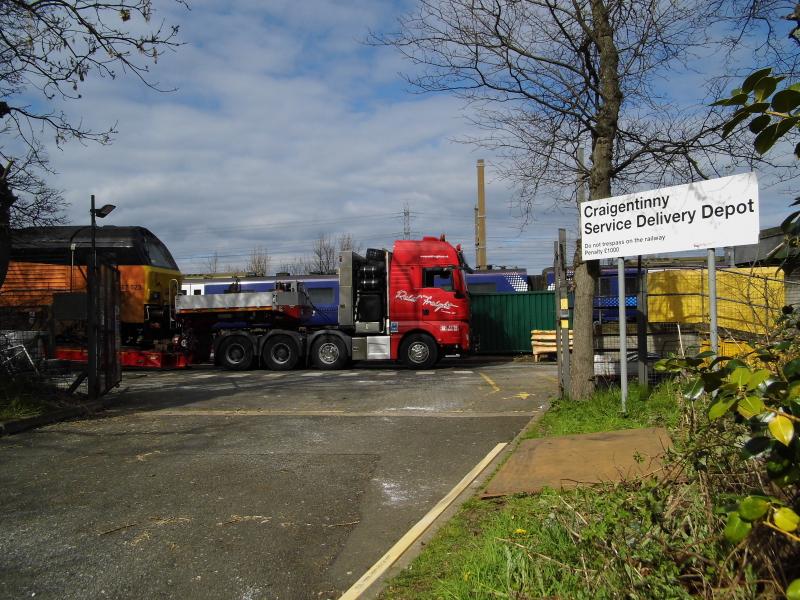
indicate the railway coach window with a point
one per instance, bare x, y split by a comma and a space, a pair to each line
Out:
321, 295
607, 285
483, 288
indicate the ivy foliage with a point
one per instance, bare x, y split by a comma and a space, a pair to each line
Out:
772, 113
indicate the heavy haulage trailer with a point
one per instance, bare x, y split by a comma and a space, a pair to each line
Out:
409, 304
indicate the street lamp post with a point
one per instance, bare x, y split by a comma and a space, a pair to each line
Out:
91, 307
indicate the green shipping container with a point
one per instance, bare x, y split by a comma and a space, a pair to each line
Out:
501, 323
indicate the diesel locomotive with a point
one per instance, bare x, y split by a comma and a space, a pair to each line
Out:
50, 260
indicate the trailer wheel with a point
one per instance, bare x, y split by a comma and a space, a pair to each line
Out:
280, 353
236, 353
329, 353
419, 351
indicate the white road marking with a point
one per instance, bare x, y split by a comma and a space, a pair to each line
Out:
266, 412
312, 374
463, 372
206, 376
237, 375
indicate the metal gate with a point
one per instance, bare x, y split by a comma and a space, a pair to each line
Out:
501, 323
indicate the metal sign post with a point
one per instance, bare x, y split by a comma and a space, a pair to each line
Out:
91, 280
712, 299
641, 331
623, 336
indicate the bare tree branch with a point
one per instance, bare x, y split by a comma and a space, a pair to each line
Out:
259, 262
545, 78
48, 48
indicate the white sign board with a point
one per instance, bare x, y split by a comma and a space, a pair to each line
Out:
707, 214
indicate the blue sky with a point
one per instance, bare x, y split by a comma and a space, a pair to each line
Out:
284, 126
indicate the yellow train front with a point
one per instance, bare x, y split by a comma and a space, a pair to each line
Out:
52, 260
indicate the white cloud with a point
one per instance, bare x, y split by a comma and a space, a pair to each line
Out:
285, 125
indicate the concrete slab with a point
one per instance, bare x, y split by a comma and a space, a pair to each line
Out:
573, 460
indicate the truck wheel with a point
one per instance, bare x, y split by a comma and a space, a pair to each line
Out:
329, 353
236, 353
419, 351
280, 353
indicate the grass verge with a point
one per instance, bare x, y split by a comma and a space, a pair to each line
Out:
632, 540
603, 413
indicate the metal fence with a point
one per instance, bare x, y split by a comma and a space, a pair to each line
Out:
669, 315
44, 325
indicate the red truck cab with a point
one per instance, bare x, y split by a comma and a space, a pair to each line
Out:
410, 304
427, 299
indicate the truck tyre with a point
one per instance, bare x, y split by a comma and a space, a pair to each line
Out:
329, 352
280, 353
419, 351
236, 353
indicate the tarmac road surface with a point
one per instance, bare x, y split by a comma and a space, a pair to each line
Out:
212, 484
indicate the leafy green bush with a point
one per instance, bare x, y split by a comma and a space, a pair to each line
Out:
760, 394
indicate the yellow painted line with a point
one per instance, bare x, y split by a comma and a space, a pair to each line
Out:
403, 544
465, 414
488, 380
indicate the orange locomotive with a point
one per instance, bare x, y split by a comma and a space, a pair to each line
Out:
49, 260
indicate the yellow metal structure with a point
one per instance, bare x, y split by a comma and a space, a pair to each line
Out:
748, 299
733, 348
